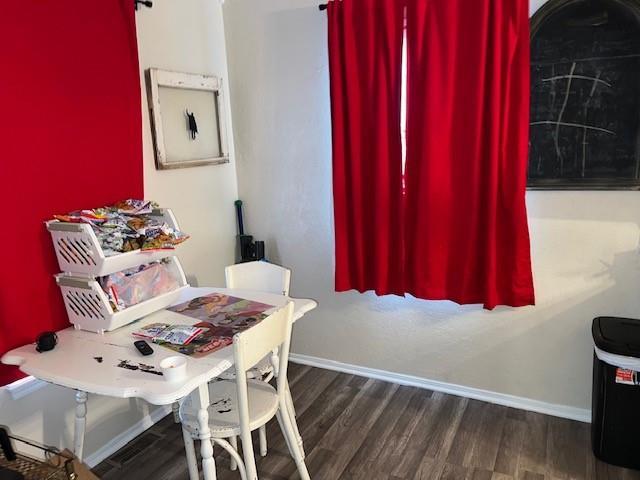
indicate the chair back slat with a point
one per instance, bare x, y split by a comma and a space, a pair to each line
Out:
260, 276
254, 344
249, 347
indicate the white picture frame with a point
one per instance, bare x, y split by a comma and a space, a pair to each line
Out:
170, 95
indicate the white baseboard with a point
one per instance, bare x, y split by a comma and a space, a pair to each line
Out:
23, 387
125, 437
564, 411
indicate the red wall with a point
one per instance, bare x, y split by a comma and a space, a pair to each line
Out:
70, 137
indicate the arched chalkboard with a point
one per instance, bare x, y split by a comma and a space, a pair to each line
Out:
585, 95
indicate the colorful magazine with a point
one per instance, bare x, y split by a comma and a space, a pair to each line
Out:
221, 317
211, 339
165, 333
222, 310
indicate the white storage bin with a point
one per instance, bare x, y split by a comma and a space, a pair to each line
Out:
78, 249
88, 306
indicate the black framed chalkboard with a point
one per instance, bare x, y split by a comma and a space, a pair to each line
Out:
585, 95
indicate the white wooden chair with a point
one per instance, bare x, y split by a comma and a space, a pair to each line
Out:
238, 408
262, 277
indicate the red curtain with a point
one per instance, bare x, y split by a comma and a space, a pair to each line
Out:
460, 226
467, 238
70, 135
365, 59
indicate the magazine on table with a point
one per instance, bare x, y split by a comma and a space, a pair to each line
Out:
165, 333
193, 340
221, 317
223, 310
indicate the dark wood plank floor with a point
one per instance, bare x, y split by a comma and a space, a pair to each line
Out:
358, 428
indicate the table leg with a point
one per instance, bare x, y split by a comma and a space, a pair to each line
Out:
192, 460
175, 408
80, 423
200, 402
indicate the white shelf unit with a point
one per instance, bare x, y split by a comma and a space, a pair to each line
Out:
78, 249
82, 260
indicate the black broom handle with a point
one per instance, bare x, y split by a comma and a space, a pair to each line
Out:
238, 204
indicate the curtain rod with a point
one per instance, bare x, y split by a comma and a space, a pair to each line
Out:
322, 6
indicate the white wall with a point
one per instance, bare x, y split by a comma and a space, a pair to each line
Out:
584, 244
183, 36
188, 36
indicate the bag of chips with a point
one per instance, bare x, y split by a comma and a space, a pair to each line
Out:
135, 285
127, 225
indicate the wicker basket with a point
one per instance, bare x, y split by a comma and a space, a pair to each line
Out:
55, 466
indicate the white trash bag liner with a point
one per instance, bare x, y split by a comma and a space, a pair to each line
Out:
621, 361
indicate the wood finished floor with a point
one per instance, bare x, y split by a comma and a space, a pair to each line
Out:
358, 428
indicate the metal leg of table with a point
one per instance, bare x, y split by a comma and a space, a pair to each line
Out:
80, 423
200, 402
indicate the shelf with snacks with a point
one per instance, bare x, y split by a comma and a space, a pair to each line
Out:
92, 304
79, 250
118, 263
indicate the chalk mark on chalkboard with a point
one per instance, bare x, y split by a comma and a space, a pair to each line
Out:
569, 124
585, 111
560, 123
556, 137
578, 77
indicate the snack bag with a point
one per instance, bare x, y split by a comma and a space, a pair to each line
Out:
134, 207
139, 284
162, 238
127, 226
178, 334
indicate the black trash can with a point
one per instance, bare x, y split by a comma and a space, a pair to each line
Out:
615, 415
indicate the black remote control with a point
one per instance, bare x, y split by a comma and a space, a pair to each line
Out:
143, 347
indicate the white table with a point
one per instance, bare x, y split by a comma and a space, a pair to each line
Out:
73, 364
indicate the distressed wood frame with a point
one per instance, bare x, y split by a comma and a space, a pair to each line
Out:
157, 78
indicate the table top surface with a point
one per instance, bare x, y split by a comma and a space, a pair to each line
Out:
89, 361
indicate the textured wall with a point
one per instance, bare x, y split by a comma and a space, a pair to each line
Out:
585, 244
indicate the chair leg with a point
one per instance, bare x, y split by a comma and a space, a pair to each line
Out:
235, 456
190, 450
286, 438
233, 441
292, 413
248, 456
243, 415
263, 440
289, 434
